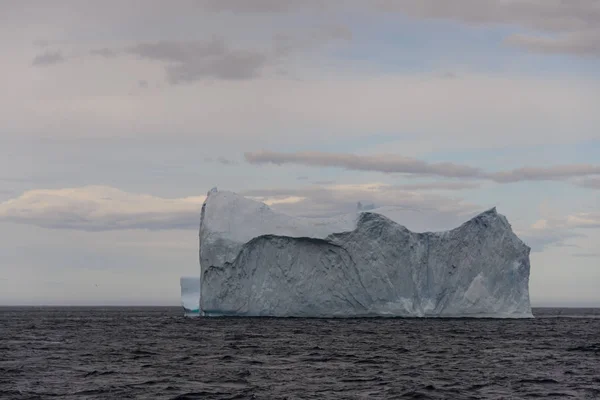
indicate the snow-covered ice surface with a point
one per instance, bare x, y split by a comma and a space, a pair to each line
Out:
257, 262
190, 295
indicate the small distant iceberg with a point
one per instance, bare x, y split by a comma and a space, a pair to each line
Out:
190, 295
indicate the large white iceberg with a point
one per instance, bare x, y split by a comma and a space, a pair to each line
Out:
190, 295
258, 262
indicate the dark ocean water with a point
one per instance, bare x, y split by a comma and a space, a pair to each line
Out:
155, 353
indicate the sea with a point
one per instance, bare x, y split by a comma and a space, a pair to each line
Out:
156, 353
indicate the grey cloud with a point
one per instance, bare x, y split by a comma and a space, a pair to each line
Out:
272, 192
546, 15
236, 65
580, 44
107, 209
398, 164
541, 15
179, 51
225, 161
582, 220
418, 211
449, 75
75, 219
425, 186
48, 58
192, 61
341, 32
302, 178
539, 240
195, 60
556, 231
570, 245
324, 182
261, 6
220, 160
592, 224
285, 44
587, 255
440, 186
545, 173
104, 52
573, 22
591, 183
100, 208
41, 43
275, 192
384, 163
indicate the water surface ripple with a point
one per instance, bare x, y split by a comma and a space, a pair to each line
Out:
155, 353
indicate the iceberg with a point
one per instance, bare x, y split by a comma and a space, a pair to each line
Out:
259, 262
190, 295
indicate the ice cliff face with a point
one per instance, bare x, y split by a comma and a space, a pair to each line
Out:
257, 262
190, 295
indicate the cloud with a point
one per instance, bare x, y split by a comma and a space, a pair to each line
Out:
189, 61
423, 186
237, 65
580, 44
104, 52
41, 43
261, 6
419, 211
587, 255
382, 163
449, 75
322, 109
545, 173
591, 183
439, 186
48, 58
195, 60
557, 230
286, 44
540, 15
573, 23
577, 220
398, 164
220, 160
225, 161
589, 220
100, 208
540, 239
547, 15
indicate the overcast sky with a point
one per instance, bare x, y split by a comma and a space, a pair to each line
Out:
118, 116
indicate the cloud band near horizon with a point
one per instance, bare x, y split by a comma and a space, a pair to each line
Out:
415, 167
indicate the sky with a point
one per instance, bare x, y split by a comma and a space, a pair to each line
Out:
118, 116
